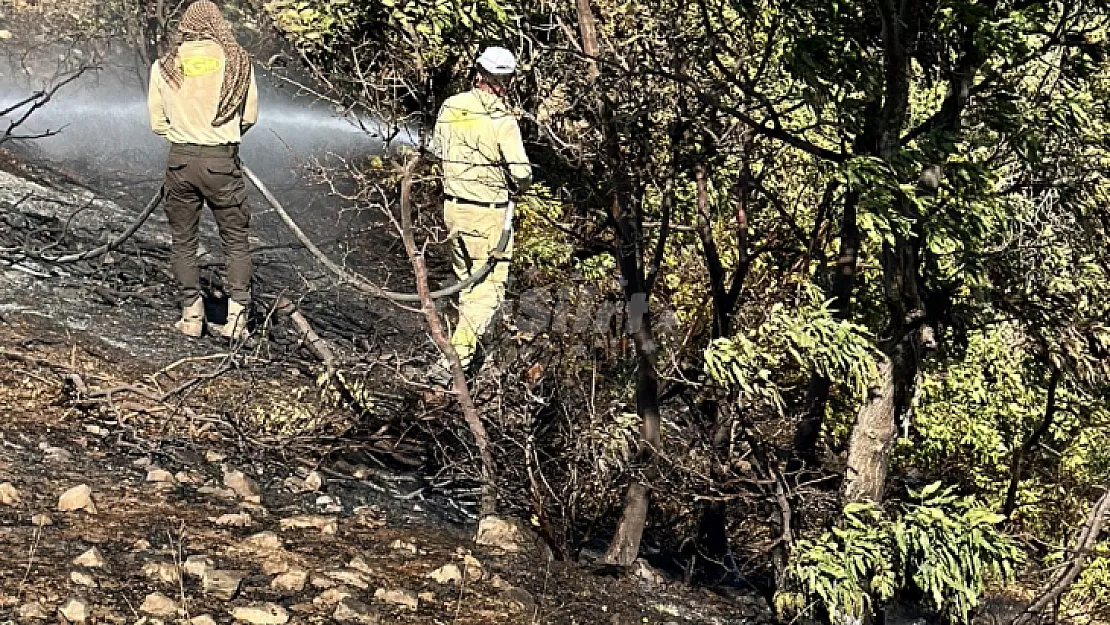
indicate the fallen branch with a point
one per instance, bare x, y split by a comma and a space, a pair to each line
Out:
95, 252
307, 334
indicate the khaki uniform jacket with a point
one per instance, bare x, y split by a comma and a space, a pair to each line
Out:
478, 140
185, 115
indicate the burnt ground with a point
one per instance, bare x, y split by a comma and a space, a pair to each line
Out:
97, 390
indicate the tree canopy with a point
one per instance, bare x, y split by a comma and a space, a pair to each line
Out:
878, 234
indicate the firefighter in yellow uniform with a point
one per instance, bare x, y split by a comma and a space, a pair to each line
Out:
478, 141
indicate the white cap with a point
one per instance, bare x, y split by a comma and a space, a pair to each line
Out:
497, 61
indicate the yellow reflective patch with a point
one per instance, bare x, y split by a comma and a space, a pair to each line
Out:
200, 65
460, 118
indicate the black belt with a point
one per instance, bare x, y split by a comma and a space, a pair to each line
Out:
192, 149
462, 200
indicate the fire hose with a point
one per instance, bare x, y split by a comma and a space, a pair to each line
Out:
344, 275
364, 285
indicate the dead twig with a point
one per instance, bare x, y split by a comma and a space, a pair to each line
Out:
32, 104
30, 559
1084, 543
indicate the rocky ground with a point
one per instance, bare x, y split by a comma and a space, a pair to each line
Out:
109, 515
144, 478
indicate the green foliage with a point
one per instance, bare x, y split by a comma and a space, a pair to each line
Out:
539, 243
1089, 598
977, 411
789, 115
944, 546
804, 338
314, 24
431, 31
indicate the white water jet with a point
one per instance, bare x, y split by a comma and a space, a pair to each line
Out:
102, 119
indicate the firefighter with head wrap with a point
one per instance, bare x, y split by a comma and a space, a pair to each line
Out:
202, 99
478, 141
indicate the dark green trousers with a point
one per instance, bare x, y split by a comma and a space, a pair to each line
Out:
196, 175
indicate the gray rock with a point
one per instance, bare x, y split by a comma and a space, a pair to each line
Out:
350, 578
241, 519
332, 596
327, 525
293, 581
323, 582
276, 564
31, 612
42, 520
222, 493
161, 476
9, 495
82, 578
157, 604
510, 535
314, 481
197, 566
359, 564
165, 572
403, 546
185, 477
75, 611
446, 574
352, 611
403, 597
222, 584
261, 614
263, 541
243, 486
77, 498
91, 559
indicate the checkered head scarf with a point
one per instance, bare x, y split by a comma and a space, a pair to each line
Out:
204, 22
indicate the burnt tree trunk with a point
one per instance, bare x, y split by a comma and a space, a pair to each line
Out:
712, 536
625, 205
808, 432
626, 542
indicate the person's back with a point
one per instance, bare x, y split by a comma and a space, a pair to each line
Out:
478, 140
189, 110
